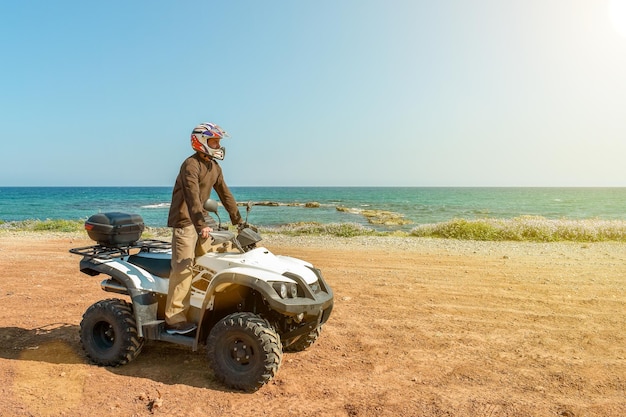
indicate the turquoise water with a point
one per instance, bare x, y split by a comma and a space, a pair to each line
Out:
421, 205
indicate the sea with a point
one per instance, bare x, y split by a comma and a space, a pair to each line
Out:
276, 206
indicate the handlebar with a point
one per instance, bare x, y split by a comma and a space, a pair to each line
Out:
220, 237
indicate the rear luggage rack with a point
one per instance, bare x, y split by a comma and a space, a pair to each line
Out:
106, 252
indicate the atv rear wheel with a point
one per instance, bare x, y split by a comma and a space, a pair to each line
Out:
244, 351
108, 333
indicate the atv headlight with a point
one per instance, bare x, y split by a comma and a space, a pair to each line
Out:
281, 289
292, 290
286, 289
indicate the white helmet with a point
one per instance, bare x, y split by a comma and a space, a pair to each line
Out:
200, 136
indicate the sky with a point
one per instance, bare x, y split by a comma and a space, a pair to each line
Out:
323, 93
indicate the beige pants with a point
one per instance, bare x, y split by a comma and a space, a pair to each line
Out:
186, 246
184, 242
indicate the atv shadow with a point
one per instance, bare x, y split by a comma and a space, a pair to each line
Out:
59, 343
53, 343
172, 364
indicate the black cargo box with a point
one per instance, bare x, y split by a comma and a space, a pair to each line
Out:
114, 229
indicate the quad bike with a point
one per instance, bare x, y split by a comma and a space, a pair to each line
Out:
249, 305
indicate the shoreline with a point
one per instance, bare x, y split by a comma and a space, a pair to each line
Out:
379, 209
518, 229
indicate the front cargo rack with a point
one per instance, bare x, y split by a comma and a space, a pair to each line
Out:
108, 252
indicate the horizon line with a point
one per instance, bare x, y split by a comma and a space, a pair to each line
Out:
323, 186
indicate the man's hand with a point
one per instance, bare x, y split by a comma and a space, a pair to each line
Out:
204, 233
244, 225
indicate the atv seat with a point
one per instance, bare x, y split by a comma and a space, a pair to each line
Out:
156, 266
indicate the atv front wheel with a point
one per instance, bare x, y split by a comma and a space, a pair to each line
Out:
244, 351
108, 333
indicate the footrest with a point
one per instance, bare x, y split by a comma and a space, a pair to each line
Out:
155, 330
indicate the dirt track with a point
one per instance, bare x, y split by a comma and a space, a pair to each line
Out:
427, 328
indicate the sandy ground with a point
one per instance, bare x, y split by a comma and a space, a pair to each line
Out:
420, 328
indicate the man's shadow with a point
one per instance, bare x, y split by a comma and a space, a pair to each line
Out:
59, 343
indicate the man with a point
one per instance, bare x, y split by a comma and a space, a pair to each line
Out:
198, 174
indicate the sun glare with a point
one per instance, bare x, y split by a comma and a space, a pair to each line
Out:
617, 14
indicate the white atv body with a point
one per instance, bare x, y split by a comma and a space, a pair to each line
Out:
249, 305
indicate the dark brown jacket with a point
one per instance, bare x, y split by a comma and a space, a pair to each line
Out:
193, 186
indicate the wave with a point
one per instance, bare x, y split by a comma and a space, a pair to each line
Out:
156, 206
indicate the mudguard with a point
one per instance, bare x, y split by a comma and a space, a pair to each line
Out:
140, 285
312, 304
